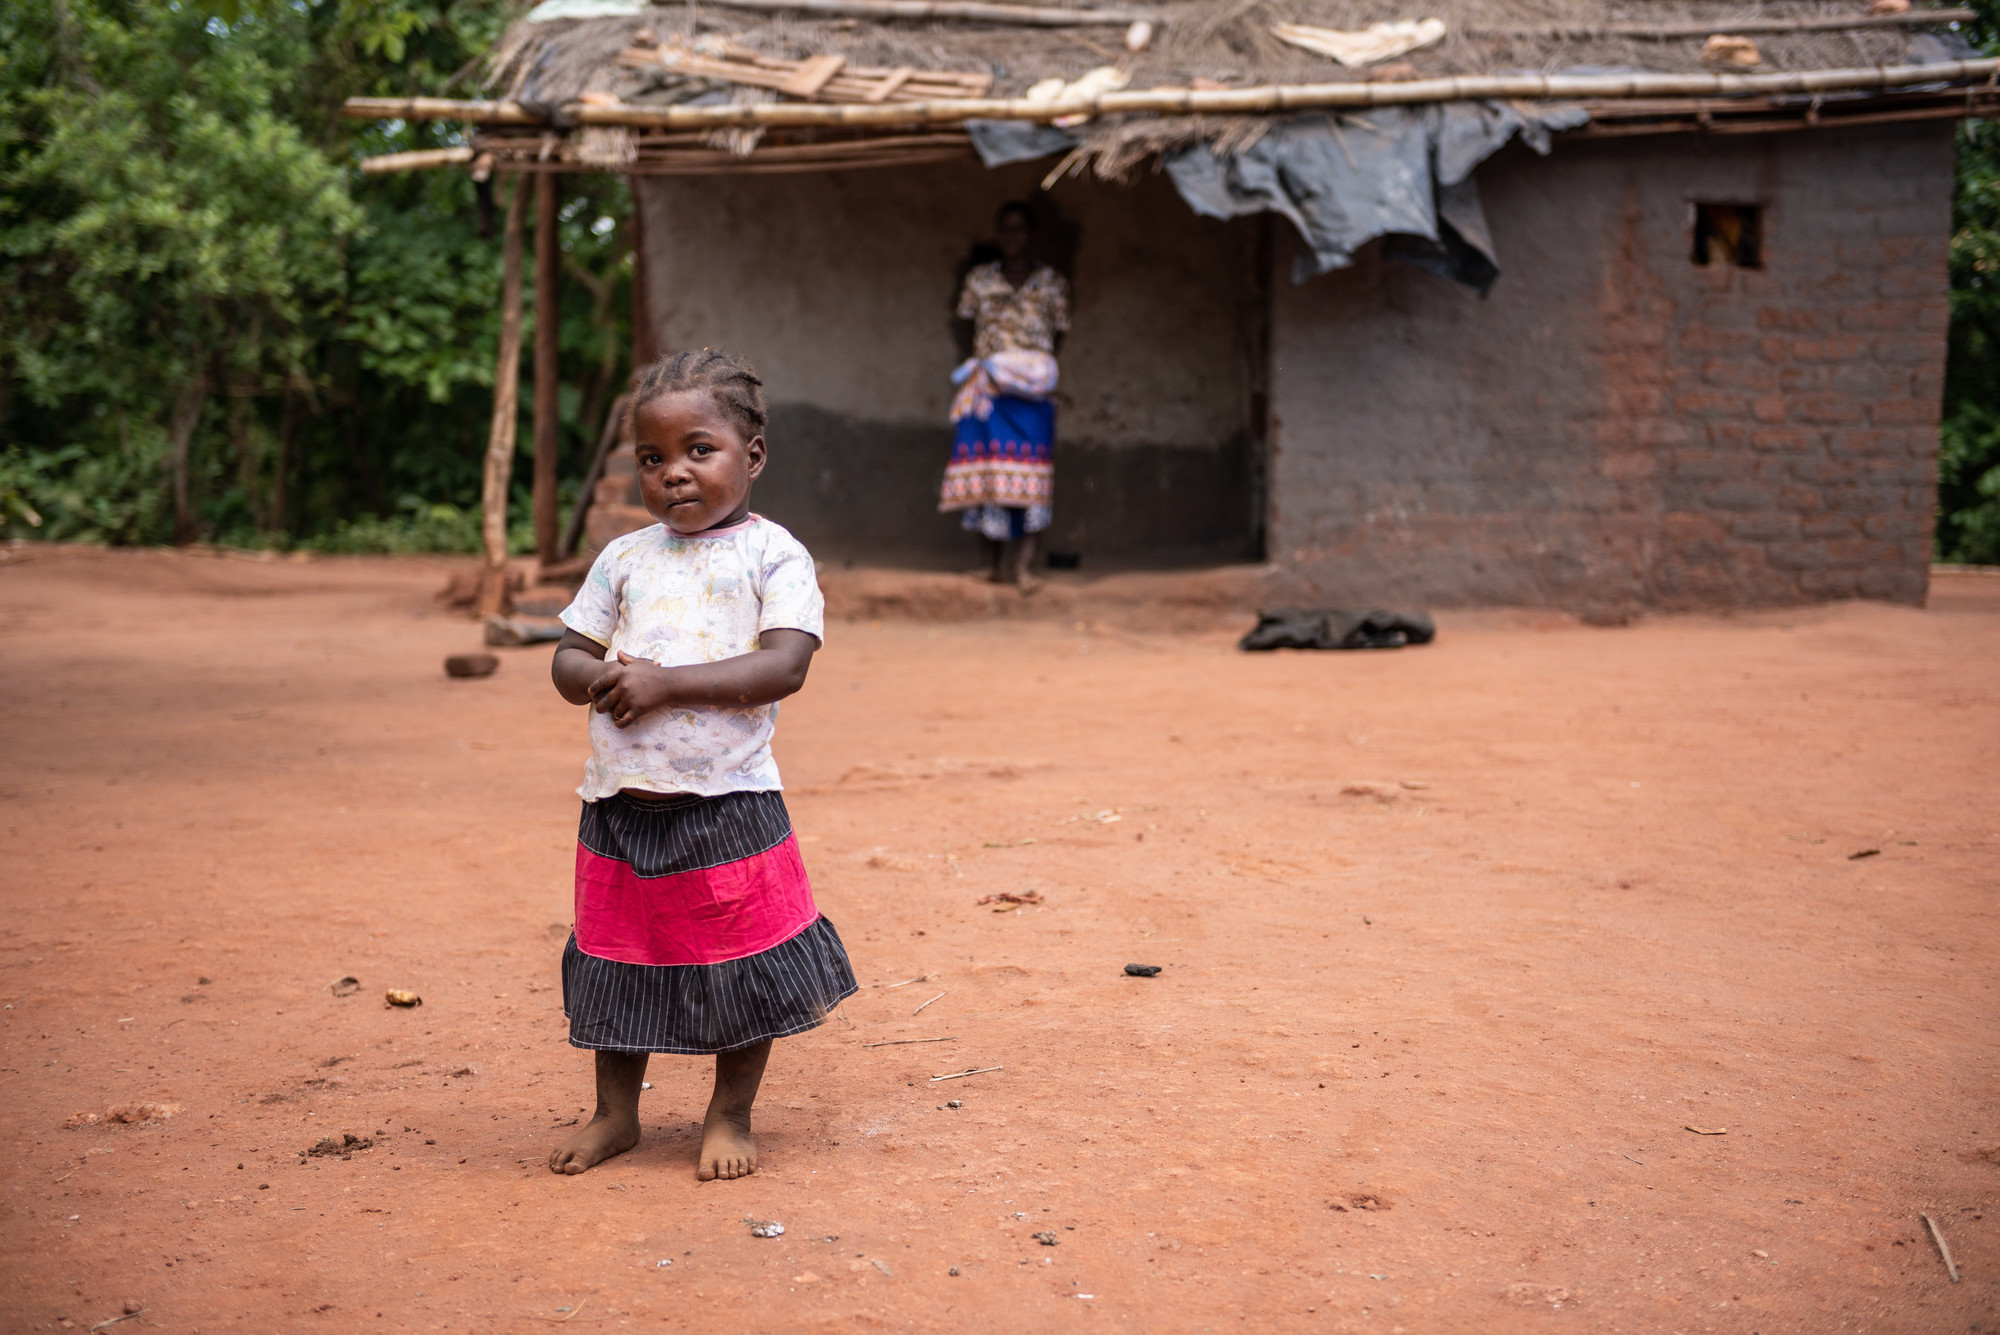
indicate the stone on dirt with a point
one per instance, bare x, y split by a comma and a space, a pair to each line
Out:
513, 632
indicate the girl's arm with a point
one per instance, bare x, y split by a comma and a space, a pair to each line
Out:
579, 662
631, 688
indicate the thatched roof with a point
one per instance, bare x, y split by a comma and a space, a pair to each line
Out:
1198, 43
1228, 41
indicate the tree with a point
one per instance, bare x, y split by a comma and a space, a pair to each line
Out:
211, 324
171, 231
1968, 514
1968, 525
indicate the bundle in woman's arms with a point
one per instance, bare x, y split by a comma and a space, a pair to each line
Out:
1022, 372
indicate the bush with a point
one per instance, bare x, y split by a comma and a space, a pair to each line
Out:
419, 527
72, 494
1968, 513
1968, 527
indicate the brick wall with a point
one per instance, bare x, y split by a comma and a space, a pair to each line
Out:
1615, 426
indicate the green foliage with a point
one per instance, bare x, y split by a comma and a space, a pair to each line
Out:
1968, 514
107, 495
1968, 525
20, 474
201, 296
417, 526
421, 526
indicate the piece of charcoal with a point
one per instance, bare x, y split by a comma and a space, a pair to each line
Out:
1142, 970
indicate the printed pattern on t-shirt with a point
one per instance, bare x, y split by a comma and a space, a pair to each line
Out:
676, 601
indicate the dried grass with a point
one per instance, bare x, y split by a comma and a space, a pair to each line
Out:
1228, 41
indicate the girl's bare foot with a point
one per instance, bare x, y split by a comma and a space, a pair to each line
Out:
614, 1128
597, 1141
728, 1150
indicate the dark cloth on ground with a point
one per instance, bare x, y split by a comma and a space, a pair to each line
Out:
1335, 628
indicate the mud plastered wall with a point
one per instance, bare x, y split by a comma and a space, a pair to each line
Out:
839, 286
1615, 426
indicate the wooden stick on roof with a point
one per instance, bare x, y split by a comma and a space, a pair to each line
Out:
415, 161
1668, 32
1265, 100
977, 11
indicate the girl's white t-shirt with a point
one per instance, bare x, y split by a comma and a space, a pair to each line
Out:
681, 600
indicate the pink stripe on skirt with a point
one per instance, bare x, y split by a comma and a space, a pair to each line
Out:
694, 917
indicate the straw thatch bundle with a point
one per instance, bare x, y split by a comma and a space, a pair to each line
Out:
1200, 43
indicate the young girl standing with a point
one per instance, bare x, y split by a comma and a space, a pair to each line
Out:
696, 930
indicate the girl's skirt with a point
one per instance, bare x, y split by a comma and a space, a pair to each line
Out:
696, 930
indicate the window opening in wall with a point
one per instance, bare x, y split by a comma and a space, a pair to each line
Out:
1731, 234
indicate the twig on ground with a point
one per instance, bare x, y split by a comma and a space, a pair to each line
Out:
127, 1316
1937, 1236
960, 1075
1640, 1162
920, 978
565, 1317
1705, 1131
892, 1042
919, 1010
1009, 901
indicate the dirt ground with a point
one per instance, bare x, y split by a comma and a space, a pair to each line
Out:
1457, 943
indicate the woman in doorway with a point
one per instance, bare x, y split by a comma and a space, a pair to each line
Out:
1002, 473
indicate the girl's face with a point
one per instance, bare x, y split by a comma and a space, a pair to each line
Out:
695, 468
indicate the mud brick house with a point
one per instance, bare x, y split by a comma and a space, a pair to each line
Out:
1582, 304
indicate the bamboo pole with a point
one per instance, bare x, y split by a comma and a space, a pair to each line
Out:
614, 425
437, 109
1949, 99
415, 161
1667, 32
548, 379
1777, 125
645, 338
499, 471
1263, 100
720, 162
1034, 16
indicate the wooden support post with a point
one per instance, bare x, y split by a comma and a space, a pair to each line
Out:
645, 341
548, 380
499, 473
614, 425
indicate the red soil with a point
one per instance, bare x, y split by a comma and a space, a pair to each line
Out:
1422, 1056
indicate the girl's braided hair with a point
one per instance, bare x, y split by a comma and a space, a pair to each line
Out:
723, 376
